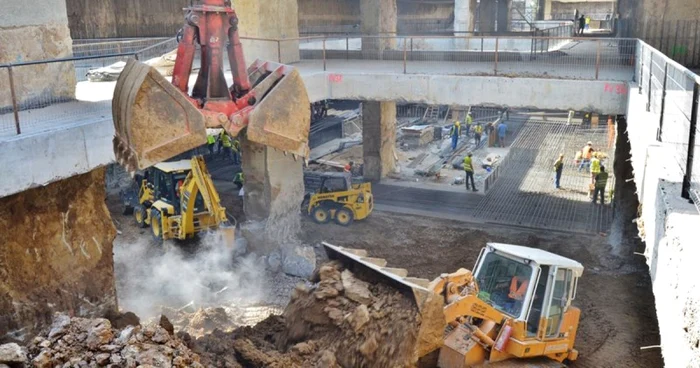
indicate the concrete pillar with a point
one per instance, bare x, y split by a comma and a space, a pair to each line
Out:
379, 17
56, 254
487, 15
378, 139
547, 10
274, 189
36, 32
269, 19
465, 11
503, 15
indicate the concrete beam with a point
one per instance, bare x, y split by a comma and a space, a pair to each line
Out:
378, 139
556, 94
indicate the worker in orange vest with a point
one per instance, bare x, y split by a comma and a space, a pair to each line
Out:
518, 288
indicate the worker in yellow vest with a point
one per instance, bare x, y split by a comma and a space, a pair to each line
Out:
595, 167
478, 129
211, 142
469, 171
455, 132
225, 144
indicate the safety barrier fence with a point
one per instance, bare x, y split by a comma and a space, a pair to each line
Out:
673, 93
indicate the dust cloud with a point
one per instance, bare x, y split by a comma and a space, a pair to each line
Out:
185, 276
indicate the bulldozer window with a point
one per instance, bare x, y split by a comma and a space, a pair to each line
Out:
533, 320
560, 295
332, 185
495, 278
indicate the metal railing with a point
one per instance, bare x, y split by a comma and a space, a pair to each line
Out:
673, 93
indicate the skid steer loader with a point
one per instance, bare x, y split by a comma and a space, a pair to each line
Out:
514, 310
156, 119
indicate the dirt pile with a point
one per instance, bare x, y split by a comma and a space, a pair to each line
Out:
341, 322
96, 342
203, 321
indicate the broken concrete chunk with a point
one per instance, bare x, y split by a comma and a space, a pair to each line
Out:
59, 326
165, 323
328, 360
12, 354
99, 334
102, 359
359, 318
299, 261
356, 290
274, 262
43, 360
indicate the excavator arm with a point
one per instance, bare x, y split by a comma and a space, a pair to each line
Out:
199, 181
156, 119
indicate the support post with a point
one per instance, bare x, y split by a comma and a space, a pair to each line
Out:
347, 47
405, 54
279, 51
15, 109
659, 132
597, 60
641, 70
495, 64
324, 54
651, 68
688, 177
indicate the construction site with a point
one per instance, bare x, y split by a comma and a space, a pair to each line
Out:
349, 183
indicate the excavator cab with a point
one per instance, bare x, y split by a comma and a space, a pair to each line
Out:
156, 119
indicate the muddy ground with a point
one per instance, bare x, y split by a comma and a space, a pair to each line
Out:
614, 294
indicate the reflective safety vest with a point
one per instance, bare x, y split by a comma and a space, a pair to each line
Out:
558, 165
468, 164
517, 292
469, 120
225, 140
236, 145
595, 165
478, 129
601, 180
211, 139
239, 178
456, 129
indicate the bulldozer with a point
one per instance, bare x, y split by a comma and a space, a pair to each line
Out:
333, 196
156, 119
515, 309
178, 200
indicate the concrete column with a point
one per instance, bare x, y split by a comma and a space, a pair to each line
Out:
36, 32
487, 15
269, 19
547, 10
504, 15
378, 139
274, 189
378, 17
465, 11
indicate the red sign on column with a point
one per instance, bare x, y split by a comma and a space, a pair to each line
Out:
335, 78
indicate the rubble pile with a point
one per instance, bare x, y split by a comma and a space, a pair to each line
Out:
82, 342
341, 322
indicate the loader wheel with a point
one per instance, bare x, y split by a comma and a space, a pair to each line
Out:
140, 215
344, 217
320, 215
156, 226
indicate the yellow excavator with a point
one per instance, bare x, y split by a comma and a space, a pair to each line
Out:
156, 119
515, 309
178, 200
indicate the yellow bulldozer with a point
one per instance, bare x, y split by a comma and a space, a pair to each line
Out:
178, 200
516, 306
156, 119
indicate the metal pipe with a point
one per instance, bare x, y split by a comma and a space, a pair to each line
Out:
324, 54
495, 64
15, 109
597, 60
659, 132
651, 68
405, 51
688, 177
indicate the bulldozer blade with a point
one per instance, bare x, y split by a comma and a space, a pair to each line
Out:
282, 116
430, 305
153, 120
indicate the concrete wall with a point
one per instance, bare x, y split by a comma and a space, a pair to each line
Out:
125, 18
668, 225
56, 255
269, 19
29, 33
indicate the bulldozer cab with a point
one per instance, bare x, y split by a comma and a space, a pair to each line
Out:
335, 182
530, 285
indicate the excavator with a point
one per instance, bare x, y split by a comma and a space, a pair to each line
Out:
514, 310
156, 119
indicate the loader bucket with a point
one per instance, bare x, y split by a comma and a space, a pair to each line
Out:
430, 305
153, 120
282, 116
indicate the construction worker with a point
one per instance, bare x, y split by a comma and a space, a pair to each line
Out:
455, 131
236, 148
586, 153
478, 129
601, 180
225, 144
211, 143
516, 292
558, 169
348, 167
469, 122
469, 171
239, 180
595, 167
502, 127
